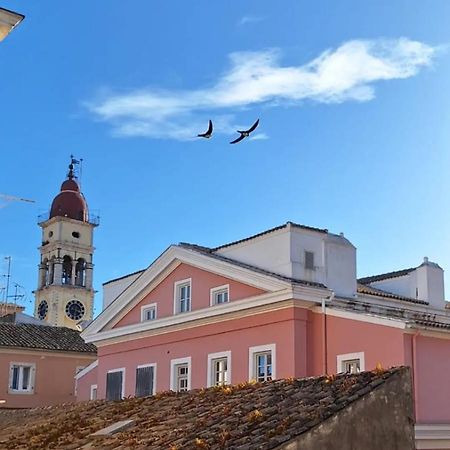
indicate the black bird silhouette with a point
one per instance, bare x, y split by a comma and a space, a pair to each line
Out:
208, 133
245, 133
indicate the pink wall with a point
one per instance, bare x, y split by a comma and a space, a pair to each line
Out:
202, 282
54, 377
283, 328
433, 380
84, 385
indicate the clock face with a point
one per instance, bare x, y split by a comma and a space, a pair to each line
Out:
75, 310
42, 310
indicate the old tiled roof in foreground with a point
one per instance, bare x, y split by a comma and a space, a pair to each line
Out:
247, 416
43, 337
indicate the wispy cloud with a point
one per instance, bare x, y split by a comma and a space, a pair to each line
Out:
258, 137
347, 73
249, 19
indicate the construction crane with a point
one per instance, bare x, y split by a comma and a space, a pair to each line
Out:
12, 198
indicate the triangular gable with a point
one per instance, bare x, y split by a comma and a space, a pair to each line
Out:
163, 266
202, 282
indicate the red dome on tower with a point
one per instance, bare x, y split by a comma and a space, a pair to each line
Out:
70, 202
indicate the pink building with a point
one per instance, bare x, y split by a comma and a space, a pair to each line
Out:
283, 303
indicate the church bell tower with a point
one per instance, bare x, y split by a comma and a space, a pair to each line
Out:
65, 294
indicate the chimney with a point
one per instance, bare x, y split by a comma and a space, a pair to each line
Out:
430, 283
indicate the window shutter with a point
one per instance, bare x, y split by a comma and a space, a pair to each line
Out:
114, 386
144, 381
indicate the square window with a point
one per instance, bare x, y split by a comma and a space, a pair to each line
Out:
148, 312
309, 260
219, 295
21, 378
351, 366
351, 363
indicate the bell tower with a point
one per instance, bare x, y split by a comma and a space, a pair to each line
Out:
65, 294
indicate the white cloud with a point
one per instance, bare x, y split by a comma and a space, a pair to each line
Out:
258, 137
249, 19
348, 72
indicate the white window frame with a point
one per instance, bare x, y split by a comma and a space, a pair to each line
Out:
213, 291
251, 359
173, 364
209, 371
154, 365
122, 369
91, 392
341, 359
144, 308
31, 381
176, 288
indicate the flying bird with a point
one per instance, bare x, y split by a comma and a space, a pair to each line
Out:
208, 133
245, 133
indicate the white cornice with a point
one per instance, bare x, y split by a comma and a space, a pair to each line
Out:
86, 370
172, 257
432, 436
227, 311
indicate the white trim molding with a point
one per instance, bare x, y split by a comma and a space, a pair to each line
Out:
340, 359
209, 371
149, 306
122, 369
176, 362
176, 287
432, 436
217, 289
272, 348
154, 365
86, 370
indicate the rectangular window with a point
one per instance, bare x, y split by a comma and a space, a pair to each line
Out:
182, 296
262, 362
219, 295
145, 380
148, 312
21, 378
115, 384
220, 371
309, 260
350, 363
93, 395
180, 374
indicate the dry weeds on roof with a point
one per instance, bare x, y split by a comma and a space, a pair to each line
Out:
242, 417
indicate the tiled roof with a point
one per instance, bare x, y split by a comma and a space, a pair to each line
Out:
124, 276
271, 230
247, 416
370, 290
386, 276
211, 253
43, 337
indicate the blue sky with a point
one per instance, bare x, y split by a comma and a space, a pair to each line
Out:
353, 98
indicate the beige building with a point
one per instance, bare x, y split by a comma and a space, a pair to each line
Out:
38, 364
65, 293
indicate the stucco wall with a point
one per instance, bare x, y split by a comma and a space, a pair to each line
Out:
383, 419
54, 377
83, 385
201, 283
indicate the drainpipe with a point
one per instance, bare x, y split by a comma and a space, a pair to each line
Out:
415, 374
325, 334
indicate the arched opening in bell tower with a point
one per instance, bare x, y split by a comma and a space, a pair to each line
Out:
67, 270
80, 272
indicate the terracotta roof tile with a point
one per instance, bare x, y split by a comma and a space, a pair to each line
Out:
386, 276
247, 416
43, 337
370, 290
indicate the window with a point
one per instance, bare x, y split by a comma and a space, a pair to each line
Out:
309, 260
180, 374
115, 383
219, 295
93, 395
261, 362
182, 296
219, 369
148, 312
145, 380
21, 378
350, 362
